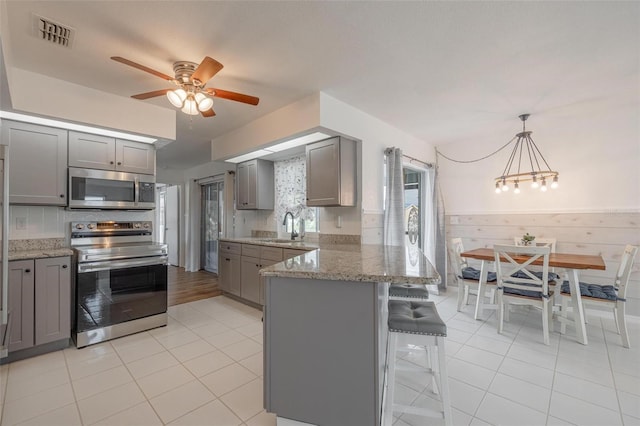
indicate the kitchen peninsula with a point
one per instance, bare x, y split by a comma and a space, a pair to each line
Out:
324, 340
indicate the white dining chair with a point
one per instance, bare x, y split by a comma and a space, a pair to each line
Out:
611, 296
519, 285
555, 274
468, 278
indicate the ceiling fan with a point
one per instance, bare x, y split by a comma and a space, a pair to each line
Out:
191, 78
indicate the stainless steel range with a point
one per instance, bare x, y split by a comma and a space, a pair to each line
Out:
121, 280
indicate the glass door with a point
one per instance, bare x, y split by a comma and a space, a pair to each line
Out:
413, 207
212, 220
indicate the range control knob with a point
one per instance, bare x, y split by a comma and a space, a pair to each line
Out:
79, 226
136, 225
91, 226
146, 226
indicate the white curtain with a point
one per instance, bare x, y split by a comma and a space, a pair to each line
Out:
394, 199
430, 231
435, 244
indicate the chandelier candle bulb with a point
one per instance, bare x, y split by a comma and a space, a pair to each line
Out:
526, 153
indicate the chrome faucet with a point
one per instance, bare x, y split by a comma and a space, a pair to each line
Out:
294, 234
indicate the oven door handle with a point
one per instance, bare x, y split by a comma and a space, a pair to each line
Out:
112, 257
122, 264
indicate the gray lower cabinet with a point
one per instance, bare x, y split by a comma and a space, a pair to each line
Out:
240, 265
37, 163
250, 286
21, 304
39, 301
229, 267
53, 299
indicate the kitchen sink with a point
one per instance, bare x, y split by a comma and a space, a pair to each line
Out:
280, 241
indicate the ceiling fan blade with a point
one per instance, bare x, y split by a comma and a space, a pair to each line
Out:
207, 69
153, 94
141, 67
233, 96
208, 113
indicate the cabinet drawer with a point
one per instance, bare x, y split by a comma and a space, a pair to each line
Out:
250, 250
232, 248
271, 253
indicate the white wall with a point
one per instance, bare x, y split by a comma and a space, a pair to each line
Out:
285, 122
41, 95
376, 136
34, 222
597, 154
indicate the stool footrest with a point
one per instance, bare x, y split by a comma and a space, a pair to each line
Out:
416, 368
420, 411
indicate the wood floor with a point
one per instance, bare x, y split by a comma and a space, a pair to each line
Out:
189, 286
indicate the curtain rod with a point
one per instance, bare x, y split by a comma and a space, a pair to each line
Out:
214, 176
410, 158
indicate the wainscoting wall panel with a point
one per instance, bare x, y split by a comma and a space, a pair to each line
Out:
603, 233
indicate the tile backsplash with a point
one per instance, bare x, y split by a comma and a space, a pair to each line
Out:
34, 222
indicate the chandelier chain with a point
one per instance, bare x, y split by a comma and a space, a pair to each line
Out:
477, 159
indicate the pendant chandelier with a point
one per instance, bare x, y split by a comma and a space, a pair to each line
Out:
526, 154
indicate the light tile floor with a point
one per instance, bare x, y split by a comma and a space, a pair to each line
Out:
205, 368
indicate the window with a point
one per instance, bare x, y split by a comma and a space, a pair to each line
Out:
291, 187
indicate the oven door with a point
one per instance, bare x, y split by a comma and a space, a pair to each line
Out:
113, 292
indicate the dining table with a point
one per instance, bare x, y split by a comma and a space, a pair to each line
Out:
572, 263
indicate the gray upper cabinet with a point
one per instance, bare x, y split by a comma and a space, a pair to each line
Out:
105, 153
331, 173
254, 183
37, 163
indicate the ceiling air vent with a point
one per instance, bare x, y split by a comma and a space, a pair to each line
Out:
53, 32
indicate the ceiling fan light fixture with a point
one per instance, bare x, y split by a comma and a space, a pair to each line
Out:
204, 103
177, 97
190, 107
190, 96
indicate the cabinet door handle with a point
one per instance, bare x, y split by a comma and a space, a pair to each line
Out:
26, 271
61, 195
64, 266
110, 162
227, 259
119, 163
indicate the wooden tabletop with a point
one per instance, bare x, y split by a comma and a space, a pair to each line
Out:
558, 260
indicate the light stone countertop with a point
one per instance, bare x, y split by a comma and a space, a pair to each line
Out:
39, 253
351, 262
38, 248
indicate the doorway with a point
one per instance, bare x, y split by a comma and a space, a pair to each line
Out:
212, 220
413, 207
172, 224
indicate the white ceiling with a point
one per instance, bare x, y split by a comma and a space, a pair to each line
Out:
441, 71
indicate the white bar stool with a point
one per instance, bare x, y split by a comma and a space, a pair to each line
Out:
418, 324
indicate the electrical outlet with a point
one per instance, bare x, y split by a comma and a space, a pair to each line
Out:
21, 223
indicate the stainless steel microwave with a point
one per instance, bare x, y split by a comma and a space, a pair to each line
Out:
104, 189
